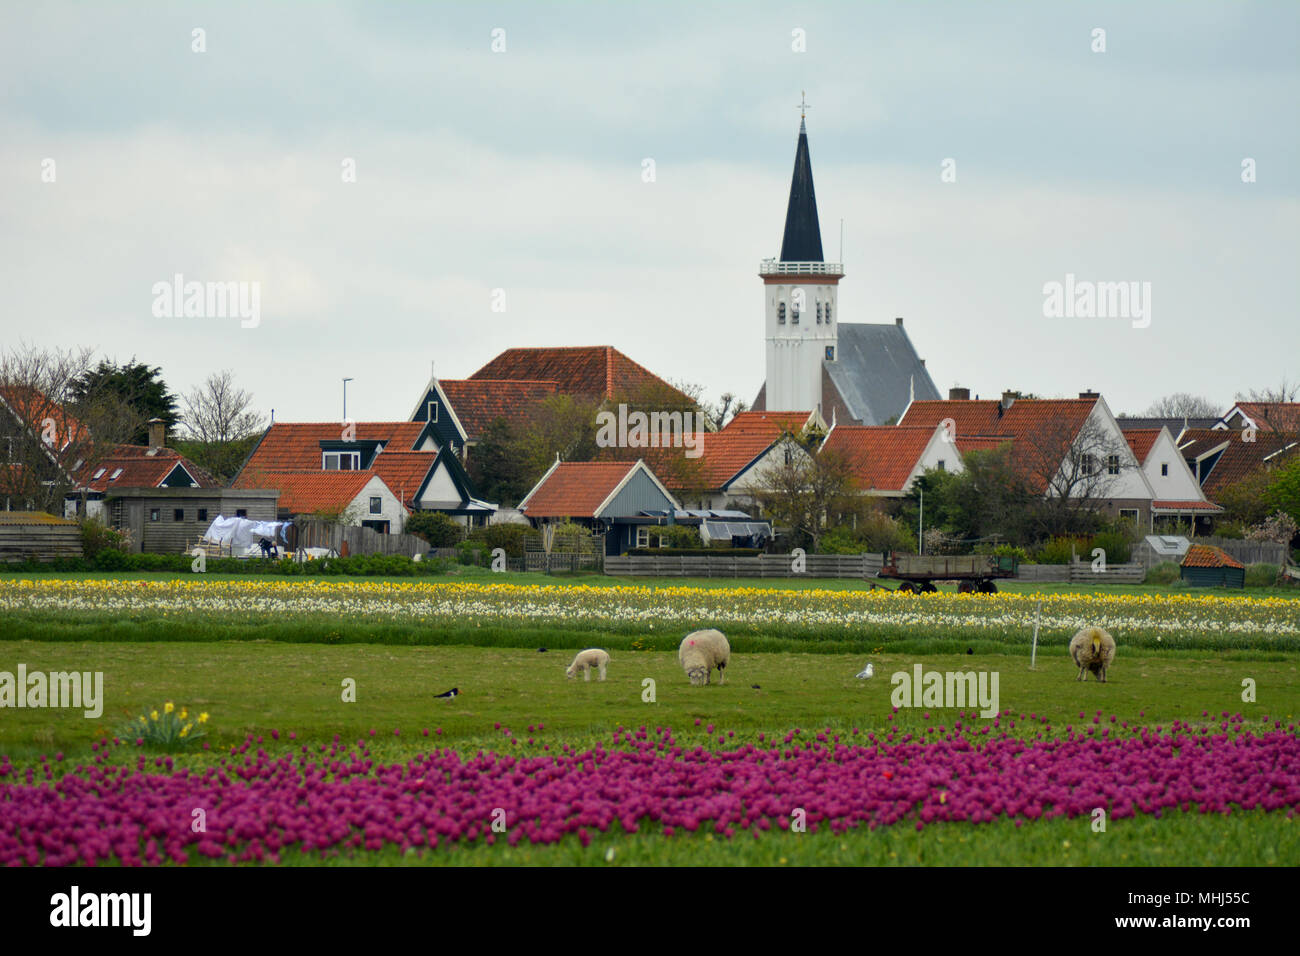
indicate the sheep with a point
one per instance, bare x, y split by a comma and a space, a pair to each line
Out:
1092, 650
586, 660
700, 652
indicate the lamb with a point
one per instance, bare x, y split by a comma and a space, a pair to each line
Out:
1092, 650
586, 660
700, 652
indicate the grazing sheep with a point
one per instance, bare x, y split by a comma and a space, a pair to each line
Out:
586, 660
1092, 650
701, 651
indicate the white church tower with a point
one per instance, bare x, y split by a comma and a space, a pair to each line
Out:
800, 293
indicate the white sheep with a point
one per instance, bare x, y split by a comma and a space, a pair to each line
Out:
1092, 649
586, 660
700, 652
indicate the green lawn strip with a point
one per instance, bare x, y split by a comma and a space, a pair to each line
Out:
257, 687
1253, 838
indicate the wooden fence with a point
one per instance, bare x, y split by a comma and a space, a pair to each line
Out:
1249, 552
1081, 572
323, 534
36, 536
755, 566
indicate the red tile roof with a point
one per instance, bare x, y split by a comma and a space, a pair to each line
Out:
881, 456
599, 371
1141, 440
768, 423
1208, 556
404, 471
306, 492
575, 489
139, 466
744, 438
33, 408
477, 402
1240, 458
1273, 416
295, 446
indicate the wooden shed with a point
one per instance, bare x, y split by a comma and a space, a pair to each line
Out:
37, 536
1206, 566
170, 520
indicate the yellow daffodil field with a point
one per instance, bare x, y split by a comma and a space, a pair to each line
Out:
434, 608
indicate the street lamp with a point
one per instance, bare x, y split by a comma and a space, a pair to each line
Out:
345, 398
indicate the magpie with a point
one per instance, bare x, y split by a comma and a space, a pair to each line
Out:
450, 694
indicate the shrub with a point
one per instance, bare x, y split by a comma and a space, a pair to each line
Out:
1164, 574
569, 538
679, 536
1278, 527
97, 536
1261, 575
471, 552
509, 537
1230, 529
1059, 550
1117, 546
440, 530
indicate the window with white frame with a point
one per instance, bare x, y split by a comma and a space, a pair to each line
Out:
642, 536
376, 505
1112, 465
341, 461
1089, 465
433, 411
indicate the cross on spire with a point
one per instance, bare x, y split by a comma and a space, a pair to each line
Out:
803, 103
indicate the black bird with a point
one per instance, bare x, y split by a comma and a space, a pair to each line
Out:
450, 694
970, 650
541, 650
755, 686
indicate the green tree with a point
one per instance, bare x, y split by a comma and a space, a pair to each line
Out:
137, 385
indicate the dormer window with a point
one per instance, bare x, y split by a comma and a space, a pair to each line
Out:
433, 411
341, 461
780, 314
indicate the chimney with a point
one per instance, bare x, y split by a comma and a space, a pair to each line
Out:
1090, 394
157, 433
1009, 398
898, 320
959, 394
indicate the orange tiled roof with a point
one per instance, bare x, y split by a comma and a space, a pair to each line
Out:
770, 423
1273, 416
404, 471
744, 438
1240, 458
1141, 440
295, 446
477, 402
575, 489
881, 456
306, 492
136, 467
1208, 556
32, 408
598, 371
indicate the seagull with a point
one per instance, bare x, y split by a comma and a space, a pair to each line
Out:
867, 671
449, 694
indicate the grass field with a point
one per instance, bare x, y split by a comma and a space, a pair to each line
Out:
515, 704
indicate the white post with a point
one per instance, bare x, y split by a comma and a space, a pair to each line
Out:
920, 524
1033, 657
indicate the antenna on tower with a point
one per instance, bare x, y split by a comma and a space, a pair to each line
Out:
841, 239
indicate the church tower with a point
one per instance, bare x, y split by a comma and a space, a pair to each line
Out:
800, 288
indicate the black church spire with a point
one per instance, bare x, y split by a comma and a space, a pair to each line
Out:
803, 234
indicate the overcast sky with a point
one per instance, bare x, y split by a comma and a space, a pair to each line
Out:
521, 170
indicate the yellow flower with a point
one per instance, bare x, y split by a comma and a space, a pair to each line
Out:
142, 720
185, 730
153, 715
184, 713
203, 717
168, 707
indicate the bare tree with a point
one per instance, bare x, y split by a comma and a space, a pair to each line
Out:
1076, 471
54, 432
804, 489
1183, 405
218, 419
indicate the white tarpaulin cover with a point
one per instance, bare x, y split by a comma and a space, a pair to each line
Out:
243, 533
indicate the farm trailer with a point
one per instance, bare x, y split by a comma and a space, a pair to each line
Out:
973, 572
